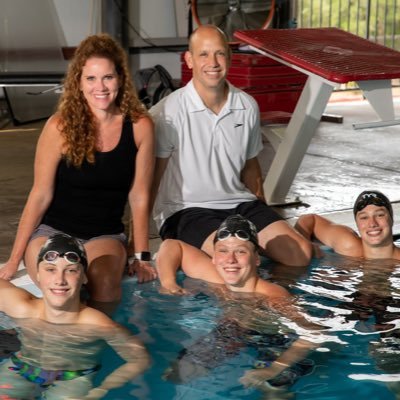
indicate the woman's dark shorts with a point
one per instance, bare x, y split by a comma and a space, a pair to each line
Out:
46, 230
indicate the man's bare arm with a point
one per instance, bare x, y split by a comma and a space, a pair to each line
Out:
252, 178
159, 169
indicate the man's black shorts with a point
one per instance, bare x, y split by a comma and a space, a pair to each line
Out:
194, 225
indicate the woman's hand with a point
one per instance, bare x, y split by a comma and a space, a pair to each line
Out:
143, 270
8, 270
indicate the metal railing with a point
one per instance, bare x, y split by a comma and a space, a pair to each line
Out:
376, 20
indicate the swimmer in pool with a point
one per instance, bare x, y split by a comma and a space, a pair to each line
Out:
373, 294
235, 242
234, 267
373, 214
373, 303
61, 338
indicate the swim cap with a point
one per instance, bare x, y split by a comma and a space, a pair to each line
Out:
373, 197
64, 245
238, 226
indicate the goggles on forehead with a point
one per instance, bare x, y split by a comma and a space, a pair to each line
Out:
224, 234
370, 198
52, 256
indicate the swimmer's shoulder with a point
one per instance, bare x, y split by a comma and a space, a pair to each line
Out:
396, 253
271, 290
350, 245
91, 316
17, 302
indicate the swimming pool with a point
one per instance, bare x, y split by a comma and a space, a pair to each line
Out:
358, 303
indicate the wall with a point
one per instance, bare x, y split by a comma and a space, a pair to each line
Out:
160, 24
153, 20
78, 19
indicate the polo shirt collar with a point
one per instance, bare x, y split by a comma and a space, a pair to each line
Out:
195, 103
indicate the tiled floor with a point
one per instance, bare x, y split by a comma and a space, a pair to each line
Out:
339, 163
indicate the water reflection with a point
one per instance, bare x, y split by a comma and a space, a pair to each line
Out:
356, 298
366, 293
201, 349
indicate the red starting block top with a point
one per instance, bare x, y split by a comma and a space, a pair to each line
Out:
331, 53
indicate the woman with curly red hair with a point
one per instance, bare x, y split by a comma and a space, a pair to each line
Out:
95, 154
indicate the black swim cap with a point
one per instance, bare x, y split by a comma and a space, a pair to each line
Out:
373, 197
238, 226
62, 244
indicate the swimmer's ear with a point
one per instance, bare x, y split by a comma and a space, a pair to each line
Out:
85, 279
258, 259
37, 273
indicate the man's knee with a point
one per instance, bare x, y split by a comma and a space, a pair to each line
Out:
284, 244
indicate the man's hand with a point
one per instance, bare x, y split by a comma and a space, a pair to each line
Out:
143, 270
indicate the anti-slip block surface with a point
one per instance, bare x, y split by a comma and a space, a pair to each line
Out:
331, 53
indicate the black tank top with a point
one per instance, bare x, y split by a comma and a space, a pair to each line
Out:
90, 200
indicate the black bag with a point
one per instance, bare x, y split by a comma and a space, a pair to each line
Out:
153, 84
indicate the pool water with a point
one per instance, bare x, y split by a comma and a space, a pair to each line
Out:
357, 354
358, 303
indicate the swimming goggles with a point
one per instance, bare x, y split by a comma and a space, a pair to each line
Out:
224, 234
52, 256
370, 198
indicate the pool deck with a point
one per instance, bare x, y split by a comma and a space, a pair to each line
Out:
340, 162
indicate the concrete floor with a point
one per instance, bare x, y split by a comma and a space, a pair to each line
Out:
339, 163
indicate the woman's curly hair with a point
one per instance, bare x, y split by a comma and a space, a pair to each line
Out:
77, 123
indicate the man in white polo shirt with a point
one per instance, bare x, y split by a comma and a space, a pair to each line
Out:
208, 138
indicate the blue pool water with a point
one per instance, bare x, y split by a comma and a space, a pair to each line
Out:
357, 355
355, 301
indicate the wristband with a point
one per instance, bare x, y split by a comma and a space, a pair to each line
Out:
143, 256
